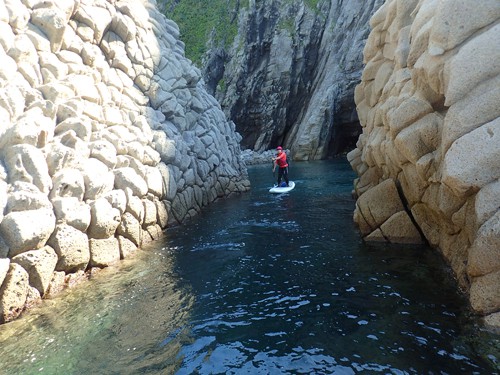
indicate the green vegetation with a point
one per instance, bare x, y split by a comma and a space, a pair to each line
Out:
199, 19
287, 24
311, 3
221, 86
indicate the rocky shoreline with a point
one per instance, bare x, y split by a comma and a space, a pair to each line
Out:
251, 157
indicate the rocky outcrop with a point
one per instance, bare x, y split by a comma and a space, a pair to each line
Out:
429, 154
107, 137
289, 78
251, 157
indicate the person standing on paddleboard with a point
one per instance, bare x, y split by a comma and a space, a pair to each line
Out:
280, 161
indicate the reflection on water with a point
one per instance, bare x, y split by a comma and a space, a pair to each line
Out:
261, 284
128, 317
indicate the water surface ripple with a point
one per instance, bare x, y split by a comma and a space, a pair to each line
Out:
262, 284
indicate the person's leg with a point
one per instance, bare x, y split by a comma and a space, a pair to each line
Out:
285, 175
280, 175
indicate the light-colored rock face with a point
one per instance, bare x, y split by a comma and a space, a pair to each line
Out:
105, 128
429, 106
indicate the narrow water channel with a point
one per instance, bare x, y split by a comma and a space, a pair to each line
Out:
261, 284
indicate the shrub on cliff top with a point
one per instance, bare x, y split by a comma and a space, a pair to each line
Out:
200, 19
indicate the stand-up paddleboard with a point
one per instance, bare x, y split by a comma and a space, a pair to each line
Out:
277, 189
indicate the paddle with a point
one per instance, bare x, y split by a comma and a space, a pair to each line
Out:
274, 168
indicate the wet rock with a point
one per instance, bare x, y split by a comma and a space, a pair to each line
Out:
39, 264
127, 247
57, 284
104, 252
13, 293
130, 228
485, 294
484, 254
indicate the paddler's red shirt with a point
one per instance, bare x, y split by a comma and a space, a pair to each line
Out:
281, 160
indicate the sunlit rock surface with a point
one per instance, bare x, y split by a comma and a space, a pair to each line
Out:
107, 136
428, 104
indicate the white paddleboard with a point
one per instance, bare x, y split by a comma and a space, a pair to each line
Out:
277, 189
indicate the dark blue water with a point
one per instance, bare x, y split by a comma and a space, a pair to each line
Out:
262, 284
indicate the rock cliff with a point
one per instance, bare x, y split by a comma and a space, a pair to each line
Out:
107, 136
428, 158
289, 77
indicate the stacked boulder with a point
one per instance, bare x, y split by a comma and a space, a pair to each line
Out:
107, 136
428, 158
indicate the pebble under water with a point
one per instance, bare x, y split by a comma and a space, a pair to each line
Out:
261, 284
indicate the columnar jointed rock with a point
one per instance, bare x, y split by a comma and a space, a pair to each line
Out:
107, 135
428, 104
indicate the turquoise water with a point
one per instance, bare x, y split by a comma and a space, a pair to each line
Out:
261, 284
